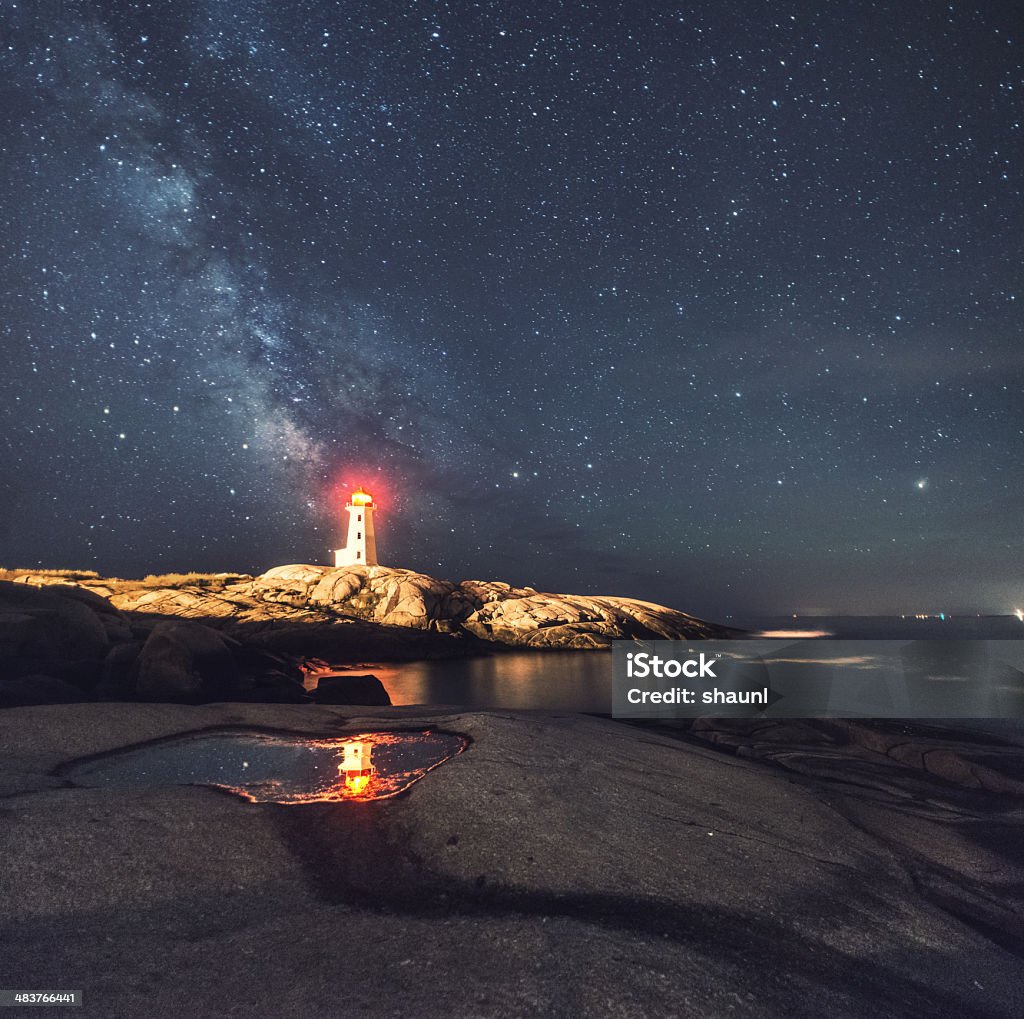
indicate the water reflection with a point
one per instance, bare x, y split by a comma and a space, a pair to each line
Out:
356, 768
542, 680
266, 768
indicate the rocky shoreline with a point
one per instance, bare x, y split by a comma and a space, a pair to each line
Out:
561, 864
70, 636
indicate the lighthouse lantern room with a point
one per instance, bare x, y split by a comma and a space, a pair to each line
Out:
361, 545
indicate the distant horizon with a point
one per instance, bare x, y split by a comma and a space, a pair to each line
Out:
882, 615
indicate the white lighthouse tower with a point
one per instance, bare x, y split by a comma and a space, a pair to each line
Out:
361, 545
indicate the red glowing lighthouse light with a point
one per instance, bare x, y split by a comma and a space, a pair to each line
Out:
361, 544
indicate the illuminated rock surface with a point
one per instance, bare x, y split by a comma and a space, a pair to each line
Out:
202, 637
560, 865
393, 597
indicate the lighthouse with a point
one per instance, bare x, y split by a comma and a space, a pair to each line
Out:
361, 546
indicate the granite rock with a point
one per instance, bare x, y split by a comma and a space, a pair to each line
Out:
186, 662
559, 866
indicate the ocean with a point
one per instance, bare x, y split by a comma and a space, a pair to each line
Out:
582, 680
975, 627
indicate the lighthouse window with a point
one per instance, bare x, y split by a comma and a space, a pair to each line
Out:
359, 517
359, 555
359, 534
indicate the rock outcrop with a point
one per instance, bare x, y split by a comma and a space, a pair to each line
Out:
183, 661
491, 611
348, 689
61, 643
202, 637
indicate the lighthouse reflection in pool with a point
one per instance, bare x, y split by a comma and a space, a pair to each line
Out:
272, 768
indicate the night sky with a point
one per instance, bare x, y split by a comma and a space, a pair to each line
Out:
717, 305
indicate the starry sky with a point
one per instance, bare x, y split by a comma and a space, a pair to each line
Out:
716, 305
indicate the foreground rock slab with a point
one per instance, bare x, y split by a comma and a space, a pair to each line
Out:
561, 865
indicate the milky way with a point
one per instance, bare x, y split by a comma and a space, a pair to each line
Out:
716, 305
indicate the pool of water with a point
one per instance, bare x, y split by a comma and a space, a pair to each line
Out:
272, 768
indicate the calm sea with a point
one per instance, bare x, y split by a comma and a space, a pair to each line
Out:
893, 627
582, 680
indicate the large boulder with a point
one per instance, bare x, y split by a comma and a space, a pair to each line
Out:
347, 689
186, 662
23, 635
58, 623
115, 625
117, 676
